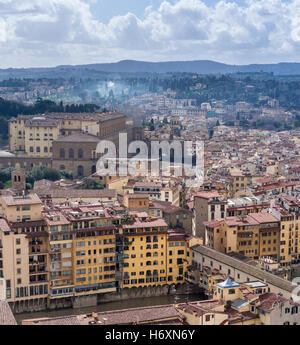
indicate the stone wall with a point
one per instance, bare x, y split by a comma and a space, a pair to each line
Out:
44, 304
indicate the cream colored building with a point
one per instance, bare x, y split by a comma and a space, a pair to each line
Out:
20, 208
32, 135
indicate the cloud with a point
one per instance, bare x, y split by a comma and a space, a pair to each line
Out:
51, 32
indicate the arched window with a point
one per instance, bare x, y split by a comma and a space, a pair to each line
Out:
62, 153
71, 153
80, 171
80, 153
93, 170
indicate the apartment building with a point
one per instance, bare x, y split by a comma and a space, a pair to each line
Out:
255, 235
287, 211
55, 253
207, 207
241, 181
178, 256
176, 217
144, 252
165, 192
136, 201
82, 251
40, 133
24, 256
246, 205
20, 208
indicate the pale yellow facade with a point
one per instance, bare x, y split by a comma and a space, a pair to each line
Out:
38, 140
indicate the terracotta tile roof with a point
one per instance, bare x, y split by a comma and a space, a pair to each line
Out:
262, 217
41, 121
6, 315
147, 184
29, 199
139, 224
207, 195
152, 314
267, 301
235, 316
54, 217
83, 193
4, 226
199, 307
137, 196
80, 137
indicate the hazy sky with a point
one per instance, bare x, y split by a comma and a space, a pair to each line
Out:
36, 33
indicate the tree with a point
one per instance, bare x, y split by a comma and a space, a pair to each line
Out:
92, 184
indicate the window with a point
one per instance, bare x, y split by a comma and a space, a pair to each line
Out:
62, 153
71, 153
295, 310
80, 171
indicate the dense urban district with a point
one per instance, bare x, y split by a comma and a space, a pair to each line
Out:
71, 237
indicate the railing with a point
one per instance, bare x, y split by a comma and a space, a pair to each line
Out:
55, 250
61, 292
38, 281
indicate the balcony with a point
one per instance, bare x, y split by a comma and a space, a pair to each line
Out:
36, 270
35, 243
118, 275
55, 250
55, 260
127, 242
37, 281
36, 262
55, 269
61, 292
39, 251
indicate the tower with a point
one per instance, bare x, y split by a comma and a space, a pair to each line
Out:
18, 180
228, 290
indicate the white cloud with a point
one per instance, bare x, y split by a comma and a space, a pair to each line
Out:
51, 32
